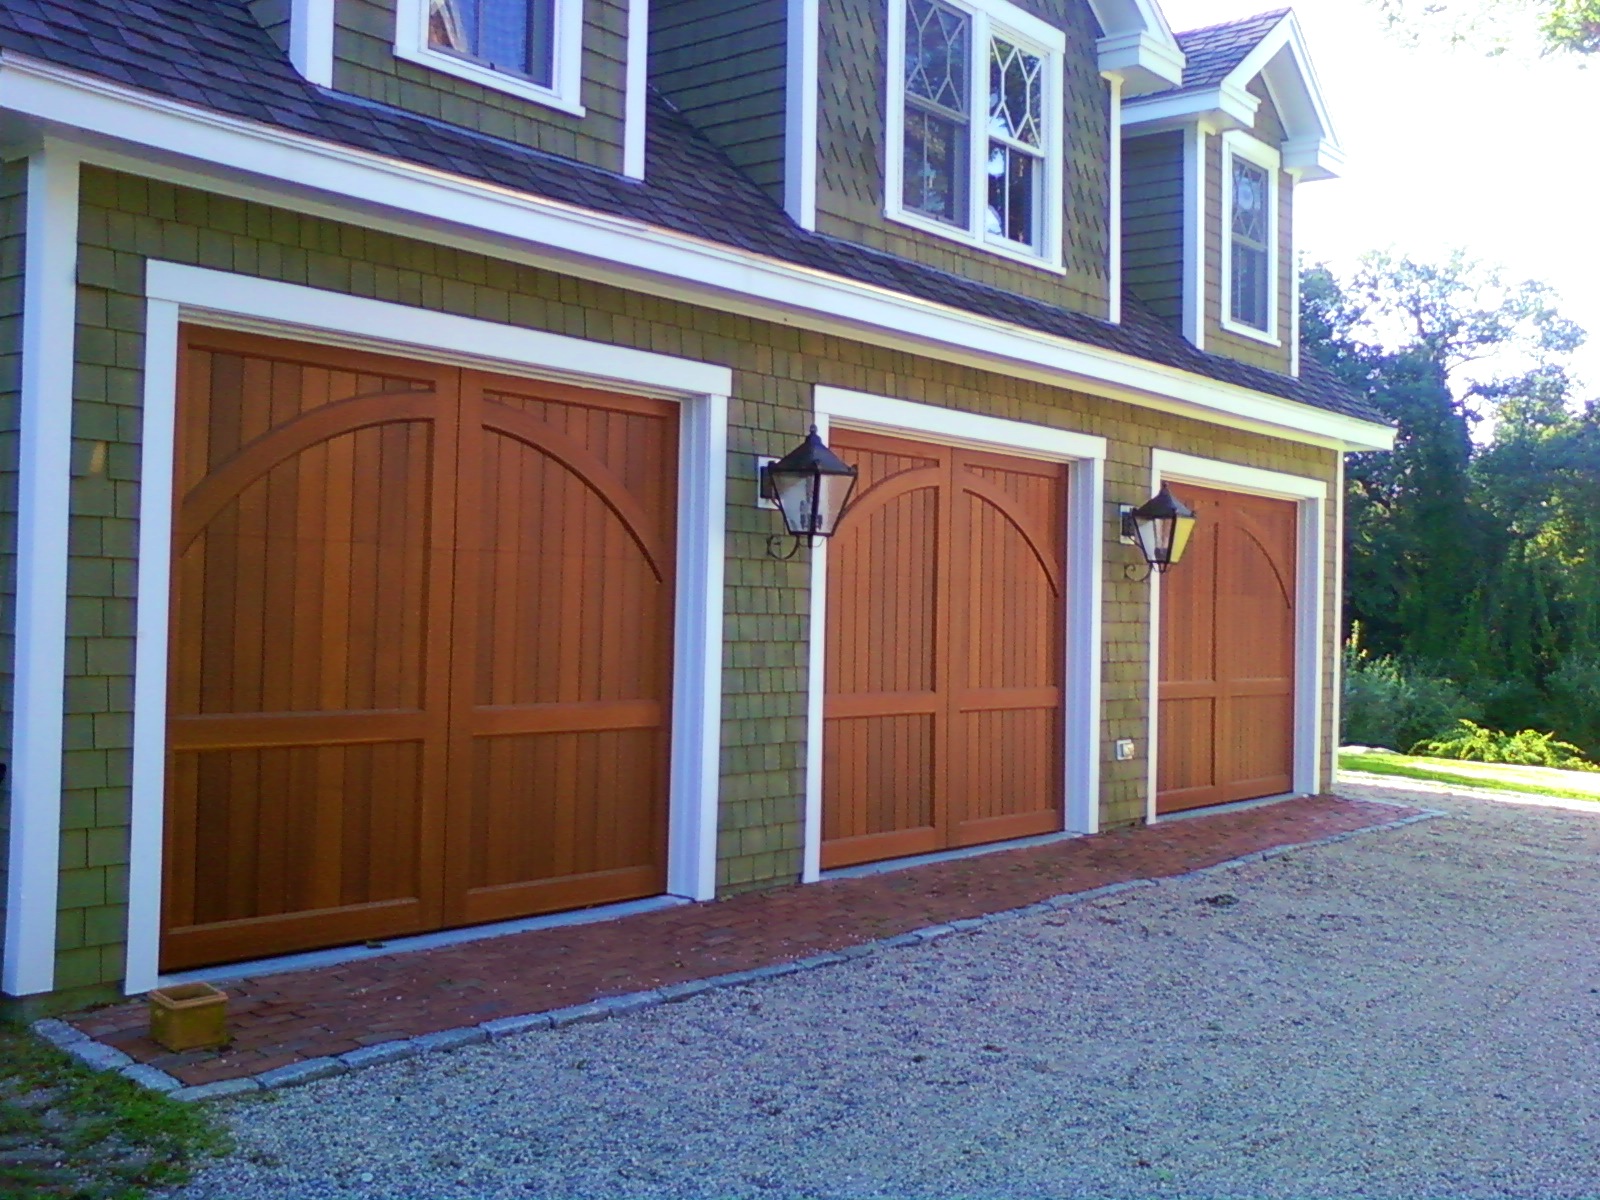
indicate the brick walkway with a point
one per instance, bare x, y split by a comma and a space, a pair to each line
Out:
281, 1019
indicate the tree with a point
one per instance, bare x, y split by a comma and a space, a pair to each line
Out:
1495, 26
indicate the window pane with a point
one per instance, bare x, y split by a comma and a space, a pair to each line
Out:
1250, 218
1013, 194
516, 36
935, 166
1249, 275
1016, 93
936, 55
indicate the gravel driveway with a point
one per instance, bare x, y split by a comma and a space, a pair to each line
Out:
1405, 1014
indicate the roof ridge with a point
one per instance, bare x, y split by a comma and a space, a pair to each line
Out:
1273, 15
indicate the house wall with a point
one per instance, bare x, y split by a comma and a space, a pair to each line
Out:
851, 149
723, 66
126, 220
365, 65
1269, 129
1152, 222
13, 227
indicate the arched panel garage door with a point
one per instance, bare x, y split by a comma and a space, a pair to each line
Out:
944, 665
1226, 714
421, 645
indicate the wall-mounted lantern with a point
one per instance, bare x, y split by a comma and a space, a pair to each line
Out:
1160, 527
812, 488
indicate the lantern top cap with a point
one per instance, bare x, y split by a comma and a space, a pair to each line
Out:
812, 457
1163, 505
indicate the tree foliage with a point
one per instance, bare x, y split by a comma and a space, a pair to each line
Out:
1495, 26
1473, 549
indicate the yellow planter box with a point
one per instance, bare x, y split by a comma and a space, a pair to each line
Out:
189, 1016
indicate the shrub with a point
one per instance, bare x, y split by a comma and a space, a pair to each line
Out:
1573, 704
1526, 748
1395, 704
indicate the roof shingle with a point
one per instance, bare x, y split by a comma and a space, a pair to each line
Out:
213, 53
1213, 51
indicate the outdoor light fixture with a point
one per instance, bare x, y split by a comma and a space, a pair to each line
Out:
1160, 527
811, 487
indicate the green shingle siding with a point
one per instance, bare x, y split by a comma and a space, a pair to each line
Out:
365, 65
1152, 222
850, 170
724, 67
765, 655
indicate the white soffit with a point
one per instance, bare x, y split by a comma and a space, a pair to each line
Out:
274, 166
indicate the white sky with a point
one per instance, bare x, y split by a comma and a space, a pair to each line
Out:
1451, 148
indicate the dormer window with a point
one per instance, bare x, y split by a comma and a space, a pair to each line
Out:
528, 48
1250, 242
987, 173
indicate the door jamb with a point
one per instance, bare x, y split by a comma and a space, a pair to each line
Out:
1085, 455
177, 292
1311, 499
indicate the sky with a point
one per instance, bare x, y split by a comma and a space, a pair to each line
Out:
1446, 148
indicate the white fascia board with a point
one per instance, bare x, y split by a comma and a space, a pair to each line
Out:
273, 166
1283, 61
1224, 107
1145, 62
311, 40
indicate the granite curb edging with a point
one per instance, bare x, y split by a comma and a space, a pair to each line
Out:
100, 1056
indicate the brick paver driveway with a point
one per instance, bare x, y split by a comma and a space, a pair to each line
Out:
1410, 1013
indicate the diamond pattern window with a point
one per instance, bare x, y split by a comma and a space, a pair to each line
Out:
974, 117
1249, 253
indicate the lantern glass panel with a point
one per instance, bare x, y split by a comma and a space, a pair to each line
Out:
1183, 527
796, 494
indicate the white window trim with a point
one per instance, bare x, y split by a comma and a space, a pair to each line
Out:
1085, 504
989, 18
177, 292
566, 57
1310, 642
1238, 144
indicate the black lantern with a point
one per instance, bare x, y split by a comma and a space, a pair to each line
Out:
1161, 527
811, 487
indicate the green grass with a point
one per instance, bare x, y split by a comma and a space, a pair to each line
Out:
109, 1138
1503, 777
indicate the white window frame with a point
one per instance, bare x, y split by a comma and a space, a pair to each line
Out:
566, 56
1238, 144
990, 18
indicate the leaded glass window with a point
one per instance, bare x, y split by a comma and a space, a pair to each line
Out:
1249, 257
515, 36
1016, 142
938, 111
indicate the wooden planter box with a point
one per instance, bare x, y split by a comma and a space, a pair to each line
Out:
189, 1016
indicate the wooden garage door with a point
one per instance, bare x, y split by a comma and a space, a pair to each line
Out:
1227, 654
420, 648
942, 716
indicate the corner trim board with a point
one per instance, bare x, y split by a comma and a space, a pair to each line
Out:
636, 88
44, 474
177, 292
311, 40
800, 112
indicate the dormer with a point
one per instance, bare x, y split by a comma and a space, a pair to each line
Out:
563, 76
1209, 173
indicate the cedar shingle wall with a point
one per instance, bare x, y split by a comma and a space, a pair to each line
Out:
850, 171
126, 219
1152, 222
13, 206
723, 66
365, 65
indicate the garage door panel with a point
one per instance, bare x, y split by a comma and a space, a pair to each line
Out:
881, 774
1011, 769
1228, 654
1005, 573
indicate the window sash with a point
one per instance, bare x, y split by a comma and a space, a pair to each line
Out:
1250, 284
462, 27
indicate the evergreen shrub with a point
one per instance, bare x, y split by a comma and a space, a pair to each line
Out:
1394, 704
1525, 748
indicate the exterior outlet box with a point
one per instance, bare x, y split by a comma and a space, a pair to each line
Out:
1124, 749
1124, 511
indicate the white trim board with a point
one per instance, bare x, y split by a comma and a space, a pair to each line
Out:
1086, 454
1311, 497
311, 40
259, 162
636, 85
800, 112
177, 292
44, 475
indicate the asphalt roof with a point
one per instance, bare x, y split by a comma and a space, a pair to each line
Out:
215, 55
1212, 52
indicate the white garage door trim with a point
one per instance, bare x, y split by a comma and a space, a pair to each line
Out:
176, 292
1311, 497
1086, 454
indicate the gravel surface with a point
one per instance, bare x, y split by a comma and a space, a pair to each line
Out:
1405, 1014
